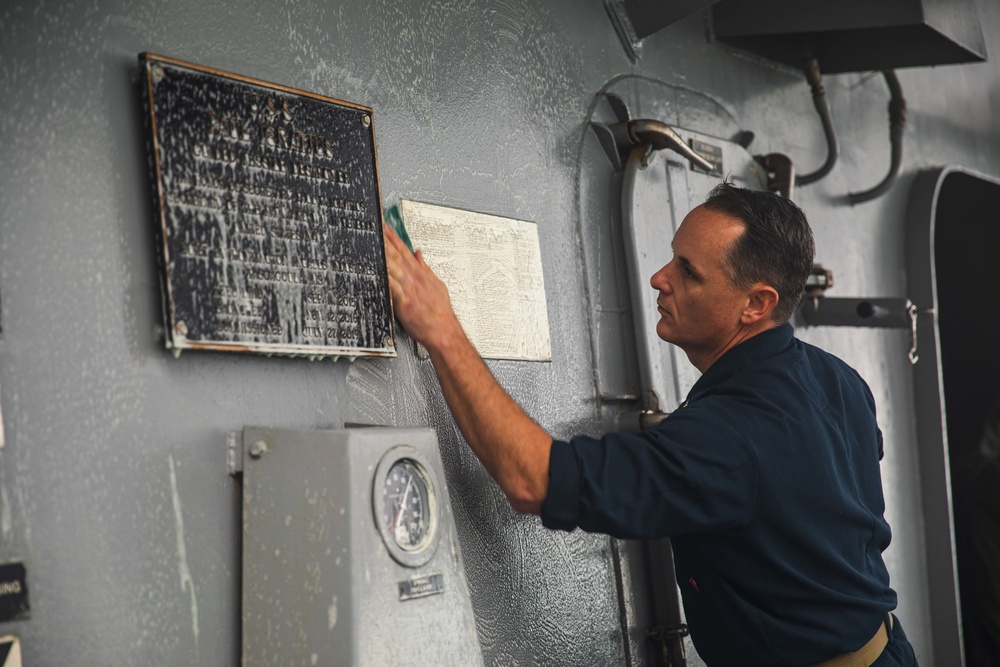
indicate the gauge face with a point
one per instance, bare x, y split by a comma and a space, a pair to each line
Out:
406, 505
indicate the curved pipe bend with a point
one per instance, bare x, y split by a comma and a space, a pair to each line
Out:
815, 80
897, 123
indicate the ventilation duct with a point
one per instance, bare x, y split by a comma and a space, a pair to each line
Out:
853, 35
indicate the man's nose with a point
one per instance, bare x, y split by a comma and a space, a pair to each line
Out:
658, 280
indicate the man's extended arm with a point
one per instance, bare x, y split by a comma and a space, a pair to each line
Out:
513, 448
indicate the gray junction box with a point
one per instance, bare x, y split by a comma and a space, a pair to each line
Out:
350, 553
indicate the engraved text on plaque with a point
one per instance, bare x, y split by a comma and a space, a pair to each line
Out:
268, 203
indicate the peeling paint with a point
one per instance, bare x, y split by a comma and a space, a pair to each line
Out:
187, 583
331, 614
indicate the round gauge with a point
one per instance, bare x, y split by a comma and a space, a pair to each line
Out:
405, 506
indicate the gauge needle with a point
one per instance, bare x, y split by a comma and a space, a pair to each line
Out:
402, 504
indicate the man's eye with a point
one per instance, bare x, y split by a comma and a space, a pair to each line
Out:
688, 272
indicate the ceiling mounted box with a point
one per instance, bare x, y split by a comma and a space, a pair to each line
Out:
854, 35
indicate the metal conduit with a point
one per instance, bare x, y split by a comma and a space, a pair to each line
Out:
815, 80
897, 123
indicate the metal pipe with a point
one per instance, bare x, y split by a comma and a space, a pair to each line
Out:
897, 123
652, 384
815, 80
890, 313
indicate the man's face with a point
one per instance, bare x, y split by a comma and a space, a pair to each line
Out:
699, 306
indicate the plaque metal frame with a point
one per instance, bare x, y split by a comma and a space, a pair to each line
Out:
269, 214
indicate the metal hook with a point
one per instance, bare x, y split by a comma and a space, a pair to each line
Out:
913, 311
647, 156
620, 138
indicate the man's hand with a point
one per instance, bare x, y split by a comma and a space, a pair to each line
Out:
419, 297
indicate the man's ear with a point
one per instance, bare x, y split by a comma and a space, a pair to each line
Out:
762, 300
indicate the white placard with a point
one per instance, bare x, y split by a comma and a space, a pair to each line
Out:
10, 651
493, 269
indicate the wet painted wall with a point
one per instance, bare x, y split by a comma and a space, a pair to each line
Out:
113, 483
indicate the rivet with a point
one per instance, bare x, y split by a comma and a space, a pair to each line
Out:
181, 328
258, 449
157, 73
366, 120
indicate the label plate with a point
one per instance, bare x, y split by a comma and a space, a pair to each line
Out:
710, 152
421, 587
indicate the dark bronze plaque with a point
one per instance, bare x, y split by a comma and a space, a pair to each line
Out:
13, 592
270, 216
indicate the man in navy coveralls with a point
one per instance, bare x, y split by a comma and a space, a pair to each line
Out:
766, 479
